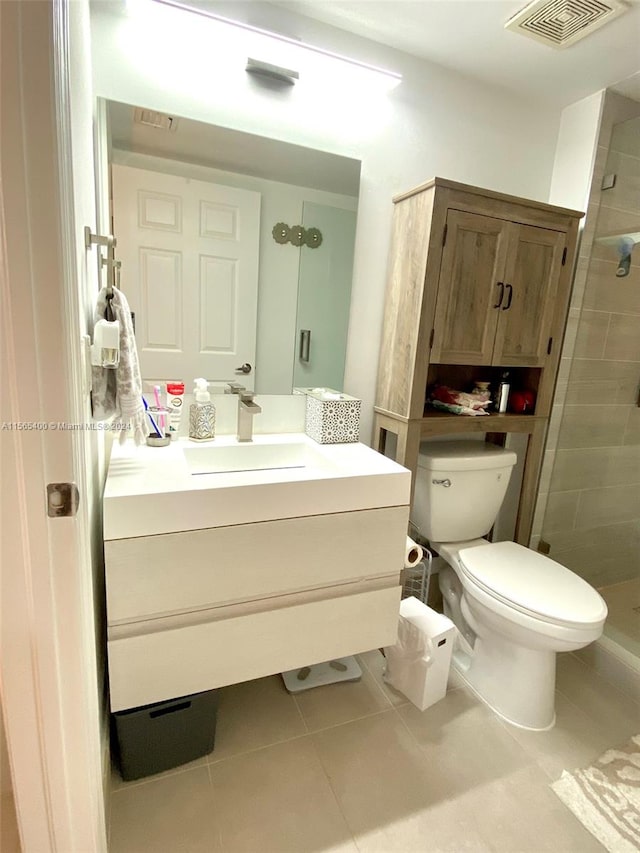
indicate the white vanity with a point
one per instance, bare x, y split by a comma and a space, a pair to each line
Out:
227, 562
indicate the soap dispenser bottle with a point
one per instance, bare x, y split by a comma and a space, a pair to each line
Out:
202, 414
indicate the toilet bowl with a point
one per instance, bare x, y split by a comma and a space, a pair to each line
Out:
514, 608
517, 610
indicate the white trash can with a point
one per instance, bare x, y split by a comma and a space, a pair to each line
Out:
418, 664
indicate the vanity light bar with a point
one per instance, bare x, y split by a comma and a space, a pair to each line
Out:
177, 4
272, 72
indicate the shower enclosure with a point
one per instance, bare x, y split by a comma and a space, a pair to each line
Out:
592, 517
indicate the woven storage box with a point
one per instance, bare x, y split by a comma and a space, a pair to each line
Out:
332, 417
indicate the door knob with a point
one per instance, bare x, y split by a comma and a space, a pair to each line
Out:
246, 368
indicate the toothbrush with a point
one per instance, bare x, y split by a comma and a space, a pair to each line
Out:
153, 423
156, 391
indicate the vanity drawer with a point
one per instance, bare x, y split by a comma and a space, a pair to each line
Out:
153, 576
183, 660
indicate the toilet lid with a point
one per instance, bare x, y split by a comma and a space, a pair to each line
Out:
533, 583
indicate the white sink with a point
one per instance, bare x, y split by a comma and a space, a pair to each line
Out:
185, 486
251, 457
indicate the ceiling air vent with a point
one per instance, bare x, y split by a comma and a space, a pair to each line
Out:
560, 23
151, 118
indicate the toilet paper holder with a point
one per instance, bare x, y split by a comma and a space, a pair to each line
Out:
416, 579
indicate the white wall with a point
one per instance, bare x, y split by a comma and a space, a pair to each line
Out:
571, 181
82, 113
278, 266
436, 122
575, 152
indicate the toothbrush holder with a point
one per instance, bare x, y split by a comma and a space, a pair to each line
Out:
158, 436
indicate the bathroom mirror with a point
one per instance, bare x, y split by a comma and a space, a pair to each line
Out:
236, 251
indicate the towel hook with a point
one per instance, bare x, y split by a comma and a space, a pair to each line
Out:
113, 273
113, 266
91, 239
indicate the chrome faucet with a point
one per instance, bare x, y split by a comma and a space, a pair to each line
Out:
247, 408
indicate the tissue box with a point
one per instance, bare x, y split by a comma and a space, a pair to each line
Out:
332, 417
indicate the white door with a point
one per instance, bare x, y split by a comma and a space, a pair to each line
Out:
49, 684
189, 253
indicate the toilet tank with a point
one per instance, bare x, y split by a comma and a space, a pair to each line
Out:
460, 486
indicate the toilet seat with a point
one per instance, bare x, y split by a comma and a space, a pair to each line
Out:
532, 584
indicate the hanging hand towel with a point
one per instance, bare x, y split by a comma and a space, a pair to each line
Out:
117, 393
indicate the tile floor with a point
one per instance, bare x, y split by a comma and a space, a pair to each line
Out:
623, 622
354, 767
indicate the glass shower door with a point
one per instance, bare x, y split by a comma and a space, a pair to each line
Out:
592, 518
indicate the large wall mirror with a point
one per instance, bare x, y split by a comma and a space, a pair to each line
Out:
236, 251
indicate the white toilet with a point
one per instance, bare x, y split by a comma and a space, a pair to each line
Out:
514, 608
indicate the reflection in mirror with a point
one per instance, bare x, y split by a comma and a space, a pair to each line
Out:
214, 283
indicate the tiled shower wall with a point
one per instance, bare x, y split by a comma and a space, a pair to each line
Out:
589, 507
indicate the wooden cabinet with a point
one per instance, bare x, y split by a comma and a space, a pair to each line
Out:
496, 291
479, 283
473, 259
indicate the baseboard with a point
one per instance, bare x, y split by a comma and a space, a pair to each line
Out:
615, 664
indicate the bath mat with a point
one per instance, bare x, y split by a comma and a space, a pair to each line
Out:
605, 797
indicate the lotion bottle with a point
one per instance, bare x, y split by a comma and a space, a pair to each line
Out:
175, 399
202, 414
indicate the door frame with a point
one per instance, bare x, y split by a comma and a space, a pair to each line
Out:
49, 676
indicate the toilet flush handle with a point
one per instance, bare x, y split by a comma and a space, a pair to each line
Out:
446, 483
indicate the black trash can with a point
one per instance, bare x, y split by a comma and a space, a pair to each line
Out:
156, 737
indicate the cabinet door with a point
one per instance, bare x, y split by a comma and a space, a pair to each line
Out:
526, 315
469, 289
